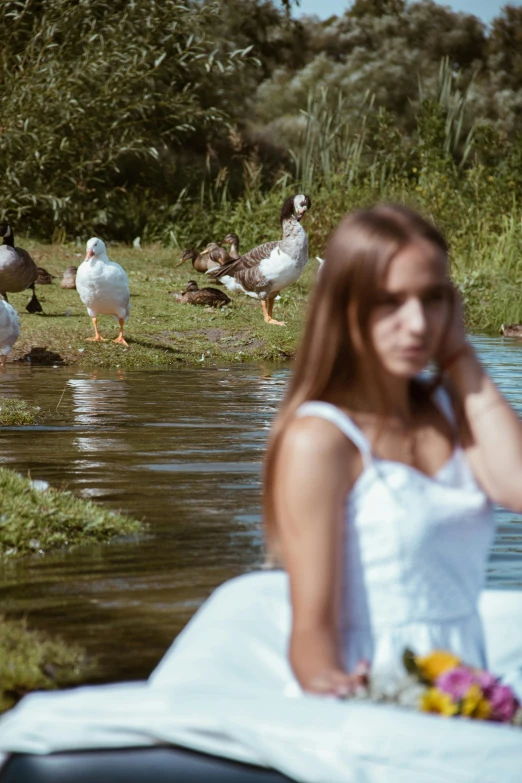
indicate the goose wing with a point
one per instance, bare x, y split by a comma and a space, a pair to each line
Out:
25, 257
249, 262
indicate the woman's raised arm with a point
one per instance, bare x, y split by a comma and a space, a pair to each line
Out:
316, 467
492, 434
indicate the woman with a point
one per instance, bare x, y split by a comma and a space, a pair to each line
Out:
377, 496
378, 492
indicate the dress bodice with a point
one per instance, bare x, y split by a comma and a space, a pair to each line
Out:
415, 551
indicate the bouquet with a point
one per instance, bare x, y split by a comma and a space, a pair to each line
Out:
440, 683
454, 689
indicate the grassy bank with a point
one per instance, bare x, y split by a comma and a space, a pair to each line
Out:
484, 231
30, 661
15, 412
160, 332
36, 519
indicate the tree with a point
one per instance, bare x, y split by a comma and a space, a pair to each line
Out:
97, 98
505, 48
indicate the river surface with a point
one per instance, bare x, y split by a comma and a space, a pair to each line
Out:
181, 450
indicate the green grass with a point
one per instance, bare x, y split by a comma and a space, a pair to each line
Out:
14, 412
482, 225
160, 332
30, 661
36, 521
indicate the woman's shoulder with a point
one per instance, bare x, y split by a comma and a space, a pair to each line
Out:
312, 433
319, 456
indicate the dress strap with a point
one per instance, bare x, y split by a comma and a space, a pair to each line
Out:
333, 414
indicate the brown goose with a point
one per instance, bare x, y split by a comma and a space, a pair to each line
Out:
200, 261
212, 297
69, 277
17, 269
268, 268
511, 330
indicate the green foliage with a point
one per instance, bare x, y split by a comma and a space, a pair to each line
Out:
376, 7
31, 661
174, 121
96, 97
32, 520
17, 412
505, 47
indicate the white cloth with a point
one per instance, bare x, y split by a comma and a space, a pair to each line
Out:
415, 558
219, 690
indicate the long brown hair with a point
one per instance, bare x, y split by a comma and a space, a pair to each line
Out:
357, 257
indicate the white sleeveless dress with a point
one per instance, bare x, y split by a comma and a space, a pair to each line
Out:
415, 555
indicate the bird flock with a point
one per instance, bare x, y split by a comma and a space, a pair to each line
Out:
103, 286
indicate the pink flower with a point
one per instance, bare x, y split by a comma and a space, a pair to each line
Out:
456, 682
503, 703
487, 682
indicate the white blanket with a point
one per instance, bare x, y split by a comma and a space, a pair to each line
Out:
208, 706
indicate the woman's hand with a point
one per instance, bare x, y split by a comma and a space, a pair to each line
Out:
454, 337
338, 683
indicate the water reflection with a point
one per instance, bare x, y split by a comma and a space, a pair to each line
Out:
181, 450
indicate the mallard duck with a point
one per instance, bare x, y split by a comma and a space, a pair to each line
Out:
511, 330
43, 277
212, 297
9, 329
69, 277
269, 268
17, 269
200, 261
233, 241
103, 287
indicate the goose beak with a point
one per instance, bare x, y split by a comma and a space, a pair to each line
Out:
90, 254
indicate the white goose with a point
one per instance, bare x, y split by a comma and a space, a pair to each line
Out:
9, 329
103, 286
268, 268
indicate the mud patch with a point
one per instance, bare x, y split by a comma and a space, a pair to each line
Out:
39, 355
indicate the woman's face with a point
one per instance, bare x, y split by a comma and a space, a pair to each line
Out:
412, 309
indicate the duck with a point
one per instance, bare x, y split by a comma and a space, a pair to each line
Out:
9, 330
233, 241
511, 330
269, 268
200, 261
212, 297
103, 287
69, 277
17, 269
43, 277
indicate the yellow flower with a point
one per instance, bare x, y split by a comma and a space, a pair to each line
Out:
474, 705
433, 700
436, 663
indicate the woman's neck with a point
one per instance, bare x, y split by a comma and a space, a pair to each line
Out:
387, 394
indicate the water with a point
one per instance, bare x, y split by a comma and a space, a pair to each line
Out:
181, 450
